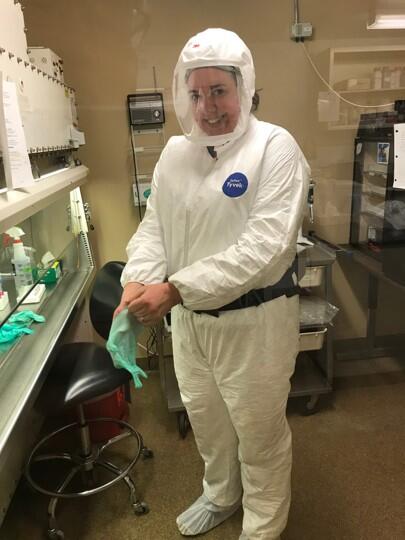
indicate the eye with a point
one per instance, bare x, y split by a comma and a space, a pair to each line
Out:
218, 91
194, 97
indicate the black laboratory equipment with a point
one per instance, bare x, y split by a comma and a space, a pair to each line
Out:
146, 110
377, 224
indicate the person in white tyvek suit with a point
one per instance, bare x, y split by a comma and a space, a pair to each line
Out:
218, 246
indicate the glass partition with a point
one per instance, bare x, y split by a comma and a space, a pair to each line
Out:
2, 175
50, 251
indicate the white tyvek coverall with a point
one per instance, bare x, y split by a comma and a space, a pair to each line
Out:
233, 370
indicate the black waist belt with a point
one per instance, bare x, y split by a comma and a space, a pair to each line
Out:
286, 286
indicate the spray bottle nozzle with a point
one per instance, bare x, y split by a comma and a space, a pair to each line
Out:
15, 232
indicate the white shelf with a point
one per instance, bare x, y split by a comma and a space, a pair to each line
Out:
343, 127
19, 204
371, 213
372, 90
369, 49
374, 191
375, 173
346, 63
148, 149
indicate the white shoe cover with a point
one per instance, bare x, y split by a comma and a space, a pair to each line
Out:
202, 516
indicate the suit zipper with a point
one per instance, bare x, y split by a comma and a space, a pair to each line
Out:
187, 227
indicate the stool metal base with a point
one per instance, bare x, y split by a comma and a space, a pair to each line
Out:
86, 462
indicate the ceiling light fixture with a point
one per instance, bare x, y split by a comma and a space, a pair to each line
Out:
387, 15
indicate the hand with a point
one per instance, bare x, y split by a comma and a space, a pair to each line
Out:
152, 302
129, 293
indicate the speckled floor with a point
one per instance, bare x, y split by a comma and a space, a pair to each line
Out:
348, 475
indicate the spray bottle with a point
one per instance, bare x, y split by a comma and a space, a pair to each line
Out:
3, 297
21, 262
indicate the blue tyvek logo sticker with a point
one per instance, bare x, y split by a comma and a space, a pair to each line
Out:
235, 185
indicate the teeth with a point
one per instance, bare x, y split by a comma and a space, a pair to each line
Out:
216, 120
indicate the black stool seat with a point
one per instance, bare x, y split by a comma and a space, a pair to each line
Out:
81, 372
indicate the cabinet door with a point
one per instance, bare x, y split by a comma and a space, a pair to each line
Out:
369, 192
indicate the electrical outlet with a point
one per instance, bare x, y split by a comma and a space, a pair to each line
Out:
301, 30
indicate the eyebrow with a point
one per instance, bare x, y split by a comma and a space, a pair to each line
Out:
211, 87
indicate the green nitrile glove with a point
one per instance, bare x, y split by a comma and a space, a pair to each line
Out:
121, 344
10, 332
25, 317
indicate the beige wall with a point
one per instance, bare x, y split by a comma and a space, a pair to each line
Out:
109, 50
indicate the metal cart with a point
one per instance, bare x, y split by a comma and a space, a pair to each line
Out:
168, 379
313, 374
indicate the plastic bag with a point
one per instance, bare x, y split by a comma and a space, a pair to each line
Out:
316, 311
121, 344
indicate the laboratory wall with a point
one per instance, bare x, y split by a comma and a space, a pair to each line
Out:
112, 48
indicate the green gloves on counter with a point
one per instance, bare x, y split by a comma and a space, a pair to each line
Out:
17, 325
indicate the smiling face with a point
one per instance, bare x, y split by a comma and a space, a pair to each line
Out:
215, 100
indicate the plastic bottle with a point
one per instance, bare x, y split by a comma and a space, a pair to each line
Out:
402, 78
22, 266
21, 262
395, 77
386, 77
3, 297
377, 78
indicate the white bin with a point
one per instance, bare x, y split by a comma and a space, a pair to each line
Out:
312, 277
312, 341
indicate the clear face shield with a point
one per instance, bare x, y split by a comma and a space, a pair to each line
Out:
212, 103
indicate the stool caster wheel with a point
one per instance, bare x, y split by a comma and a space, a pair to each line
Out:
183, 423
312, 406
140, 508
55, 534
147, 453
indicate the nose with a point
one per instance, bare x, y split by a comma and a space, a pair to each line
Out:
207, 103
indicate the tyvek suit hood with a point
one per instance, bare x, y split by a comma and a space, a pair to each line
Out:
214, 47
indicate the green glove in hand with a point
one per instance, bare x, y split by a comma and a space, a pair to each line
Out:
121, 344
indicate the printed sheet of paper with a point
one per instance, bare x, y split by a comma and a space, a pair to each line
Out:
17, 166
399, 156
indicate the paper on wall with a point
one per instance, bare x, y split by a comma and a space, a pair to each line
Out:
17, 165
399, 156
